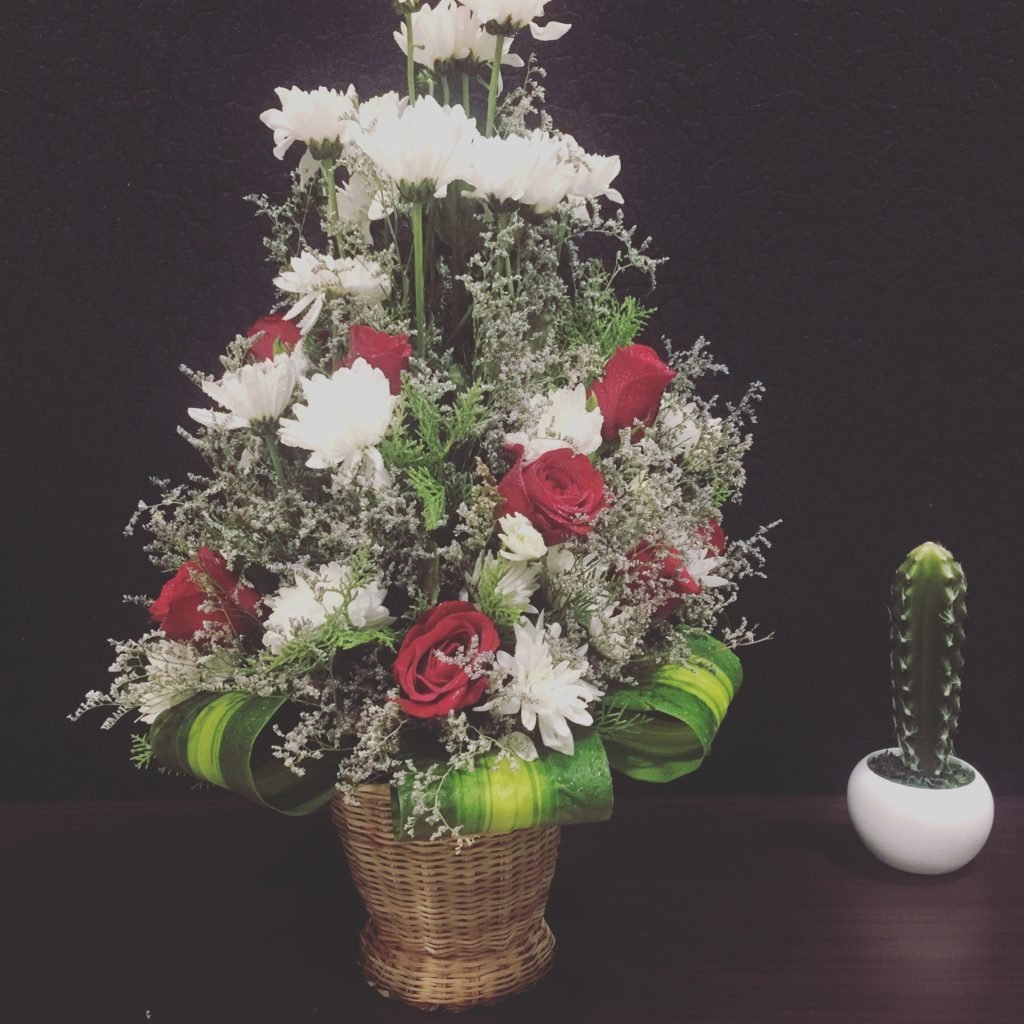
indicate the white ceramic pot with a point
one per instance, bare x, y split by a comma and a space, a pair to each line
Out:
925, 831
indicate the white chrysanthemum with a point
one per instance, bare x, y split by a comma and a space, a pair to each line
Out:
171, 675
564, 422
317, 595
355, 199
592, 174
425, 147
342, 420
683, 424
374, 108
441, 34
516, 583
482, 52
449, 33
525, 169
521, 541
518, 14
541, 692
323, 119
253, 394
701, 566
314, 276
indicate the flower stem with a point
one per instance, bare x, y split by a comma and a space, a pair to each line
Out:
446, 91
421, 316
275, 457
327, 170
410, 63
492, 93
467, 102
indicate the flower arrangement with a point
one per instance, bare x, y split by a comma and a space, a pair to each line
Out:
460, 528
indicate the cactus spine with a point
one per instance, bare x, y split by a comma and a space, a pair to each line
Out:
928, 610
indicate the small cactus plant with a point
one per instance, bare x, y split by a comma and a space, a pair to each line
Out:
928, 610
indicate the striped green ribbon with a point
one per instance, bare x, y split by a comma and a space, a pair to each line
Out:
226, 738
504, 795
666, 725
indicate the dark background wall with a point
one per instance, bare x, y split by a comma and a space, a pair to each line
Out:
837, 184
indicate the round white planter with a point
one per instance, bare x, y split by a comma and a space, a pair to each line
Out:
925, 831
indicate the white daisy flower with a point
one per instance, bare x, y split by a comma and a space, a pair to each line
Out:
171, 677
314, 277
563, 422
541, 692
683, 424
482, 52
441, 34
448, 33
255, 393
322, 119
175, 672
317, 595
526, 169
341, 421
521, 541
701, 566
515, 582
517, 14
374, 108
592, 175
425, 147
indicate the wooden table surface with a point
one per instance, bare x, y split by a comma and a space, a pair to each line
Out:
693, 910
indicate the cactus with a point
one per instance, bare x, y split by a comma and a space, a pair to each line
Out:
928, 609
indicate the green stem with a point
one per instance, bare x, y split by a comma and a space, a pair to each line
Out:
492, 93
275, 457
410, 63
327, 170
467, 101
445, 91
421, 316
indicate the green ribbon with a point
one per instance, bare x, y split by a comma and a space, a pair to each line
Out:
507, 794
225, 738
666, 724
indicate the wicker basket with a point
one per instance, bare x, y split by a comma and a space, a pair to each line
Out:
448, 930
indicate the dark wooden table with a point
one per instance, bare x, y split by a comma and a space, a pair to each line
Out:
690, 910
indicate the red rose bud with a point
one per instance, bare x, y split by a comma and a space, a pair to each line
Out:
433, 667
560, 493
389, 353
634, 381
269, 331
714, 537
652, 564
204, 580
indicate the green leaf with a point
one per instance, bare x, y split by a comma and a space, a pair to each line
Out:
431, 493
315, 649
664, 727
225, 738
503, 795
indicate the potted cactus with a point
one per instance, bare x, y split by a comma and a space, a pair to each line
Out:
916, 806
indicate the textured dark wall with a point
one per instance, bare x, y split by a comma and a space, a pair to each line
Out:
836, 182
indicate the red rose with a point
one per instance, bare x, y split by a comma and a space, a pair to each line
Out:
205, 580
389, 353
269, 330
560, 493
433, 685
652, 564
634, 380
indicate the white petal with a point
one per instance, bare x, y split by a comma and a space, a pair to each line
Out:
549, 32
521, 745
221, 420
